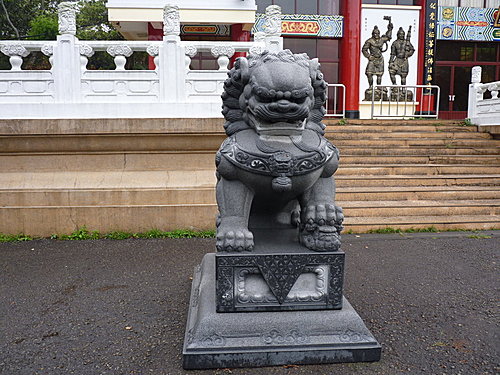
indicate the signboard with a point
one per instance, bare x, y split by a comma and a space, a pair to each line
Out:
463, 23
205, 30
431, 17
305, 25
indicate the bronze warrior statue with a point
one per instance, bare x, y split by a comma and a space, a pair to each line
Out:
401, 50
373, 49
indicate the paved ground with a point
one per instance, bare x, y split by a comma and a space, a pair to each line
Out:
119, 307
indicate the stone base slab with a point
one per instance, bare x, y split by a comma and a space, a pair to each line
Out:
254, 339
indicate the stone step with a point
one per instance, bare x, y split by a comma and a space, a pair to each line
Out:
420, 207
412, 159
140, 161
25, 197
48, 220
450, 222
418, 151
203, 141
396, 122
110, 196
419, 180
438, 127
407, 135
392, 193
415, 142
197, 187
414, 169
45, 221
110, 161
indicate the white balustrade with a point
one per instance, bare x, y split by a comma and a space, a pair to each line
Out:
483, 111
69, 89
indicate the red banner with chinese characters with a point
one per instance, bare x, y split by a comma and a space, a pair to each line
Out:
430, 41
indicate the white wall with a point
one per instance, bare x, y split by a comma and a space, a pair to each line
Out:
400, 18
184, 4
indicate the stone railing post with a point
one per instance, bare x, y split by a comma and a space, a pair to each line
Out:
272, 29
48, 50
474, 95
190, 52
16, 52
67, 65
223, 54
172, 71
120, 52
86, 51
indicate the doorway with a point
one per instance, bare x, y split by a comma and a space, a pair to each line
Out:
454, 64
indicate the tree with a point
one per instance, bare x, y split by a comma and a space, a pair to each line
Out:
37, 20
16, 16
44, 27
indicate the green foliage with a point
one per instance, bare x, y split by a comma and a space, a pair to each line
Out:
180, 233
479, 236
92, 22
84, 234
466, 122
44, 27
81, 234
118, 235
342, 121
431, 229
14, 237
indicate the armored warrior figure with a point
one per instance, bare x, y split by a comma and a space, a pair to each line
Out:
372, 50
401, 50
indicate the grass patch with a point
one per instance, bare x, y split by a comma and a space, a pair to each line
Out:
466, 122
479, 236
386, 230
342, 121
84, 234
14, 237
117, 235
79, 235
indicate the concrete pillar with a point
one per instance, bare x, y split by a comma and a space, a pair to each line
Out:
350, 54
239, 35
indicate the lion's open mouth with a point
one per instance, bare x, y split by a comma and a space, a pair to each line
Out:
286, 128
280, 111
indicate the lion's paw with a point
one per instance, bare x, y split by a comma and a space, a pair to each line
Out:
321, 215
324, 238
234, 240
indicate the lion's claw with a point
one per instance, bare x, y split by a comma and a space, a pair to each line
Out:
234, 240
322, 214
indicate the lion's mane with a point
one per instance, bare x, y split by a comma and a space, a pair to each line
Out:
233, 97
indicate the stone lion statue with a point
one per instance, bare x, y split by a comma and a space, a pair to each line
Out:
275, 168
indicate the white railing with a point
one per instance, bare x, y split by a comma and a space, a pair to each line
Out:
70, 90
335, 100
408, 101
483, 111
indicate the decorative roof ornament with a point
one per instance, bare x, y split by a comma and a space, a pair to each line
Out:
272, 25
171, 20
67, 17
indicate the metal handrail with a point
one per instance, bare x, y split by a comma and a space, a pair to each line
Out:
335, 98
414, 89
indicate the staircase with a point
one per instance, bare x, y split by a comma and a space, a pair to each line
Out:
138, 174
416, 175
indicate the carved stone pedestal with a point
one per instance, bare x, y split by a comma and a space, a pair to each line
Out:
266, 338
279, 277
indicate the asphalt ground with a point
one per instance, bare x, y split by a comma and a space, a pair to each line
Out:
120, 307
